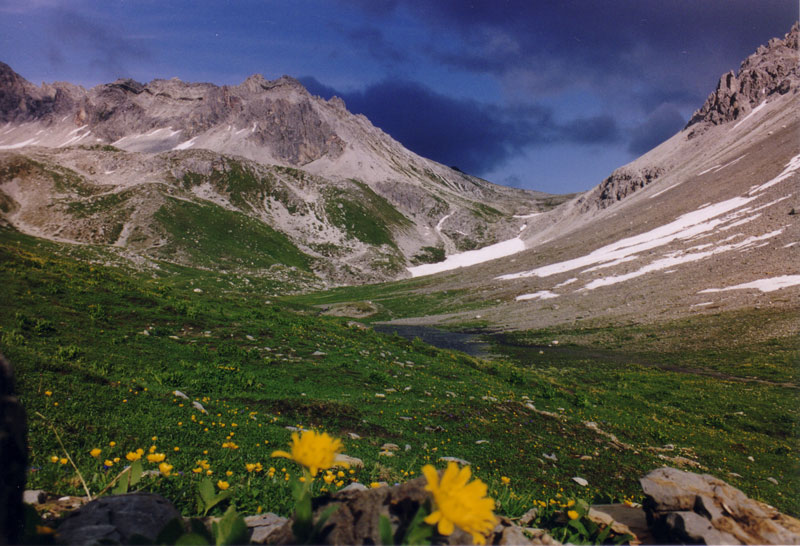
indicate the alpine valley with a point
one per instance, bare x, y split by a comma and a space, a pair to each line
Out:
238, 244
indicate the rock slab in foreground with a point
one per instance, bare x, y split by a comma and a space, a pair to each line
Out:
683, 507
116, 519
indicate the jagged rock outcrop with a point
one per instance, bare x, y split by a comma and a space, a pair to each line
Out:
622, 182
771, 69
13, 457
688, 508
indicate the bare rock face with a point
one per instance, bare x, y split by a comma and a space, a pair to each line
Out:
622, 182
13, 457
688, 508
771, 69
117, 519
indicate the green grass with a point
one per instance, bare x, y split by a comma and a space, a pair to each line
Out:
76, 330
363, 214
213, 236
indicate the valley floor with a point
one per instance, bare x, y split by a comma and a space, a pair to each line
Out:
99, 352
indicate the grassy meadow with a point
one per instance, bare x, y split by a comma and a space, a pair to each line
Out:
99, 350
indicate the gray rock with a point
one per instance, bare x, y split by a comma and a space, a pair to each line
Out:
117, 519
13, 457
686, 507
262, 526
36, 496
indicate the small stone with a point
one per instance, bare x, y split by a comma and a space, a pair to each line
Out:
36, 496
405, 418
355, 486
179, 394
751, 459
772, 480
353, 462
455, 460
197, 291
318, 353
580, 481
380, 395
390, 447
263, 526
550, 457
291, 428
199, 407
479, 442
353, 436
586, 458
249, 337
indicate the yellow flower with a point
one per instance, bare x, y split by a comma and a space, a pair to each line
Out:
250, 467
459, 503
506, 480
112, 443
156, 457
223, 485
95, 452
229, 473
108, 462
165, 468
571, 503
197, 470
328, 478
312, 450
63, 460
133, 456
48, 393
572, 514
54, 459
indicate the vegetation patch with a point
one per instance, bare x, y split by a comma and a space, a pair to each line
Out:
211, 235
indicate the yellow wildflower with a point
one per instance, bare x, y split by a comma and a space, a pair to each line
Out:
250, 467
312, 450
108, 462
63, 460
112, 443
156, 457
506, 480
165, 468
197, 470
571, 503
329, 478
133, 456
54, 459
48, 393
229, 473
572, 514
459, 503
223, 485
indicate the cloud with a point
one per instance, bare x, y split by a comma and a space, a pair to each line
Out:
476, 137
372, 40
103, 47
664, 122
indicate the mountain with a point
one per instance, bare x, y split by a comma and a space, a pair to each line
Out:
223, 176
704, 223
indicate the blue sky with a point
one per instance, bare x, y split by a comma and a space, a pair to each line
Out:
546, 95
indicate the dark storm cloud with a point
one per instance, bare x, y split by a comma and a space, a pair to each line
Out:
372, 40
106, 49
473, 136
659, 126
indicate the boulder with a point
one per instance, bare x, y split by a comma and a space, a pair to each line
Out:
701, 509
13, 457
117, 519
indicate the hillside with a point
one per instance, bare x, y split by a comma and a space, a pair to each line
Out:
704, 223
109, 162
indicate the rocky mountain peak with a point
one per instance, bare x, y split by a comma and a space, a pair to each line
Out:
771, 69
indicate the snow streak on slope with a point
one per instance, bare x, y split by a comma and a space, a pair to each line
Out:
471, 257
707, 220
765, 285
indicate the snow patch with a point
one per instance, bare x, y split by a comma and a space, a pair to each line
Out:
470, 257
791, 167
525, 216
540, 295
753, 111
19, 144
185, 145
765, 285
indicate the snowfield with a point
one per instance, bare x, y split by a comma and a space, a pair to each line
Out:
470, 257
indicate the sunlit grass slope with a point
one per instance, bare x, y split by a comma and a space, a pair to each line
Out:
99, 351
